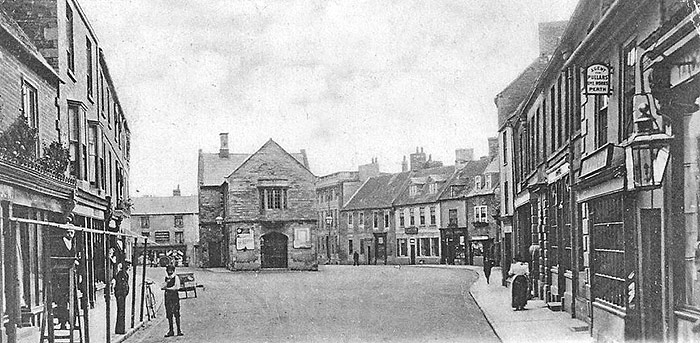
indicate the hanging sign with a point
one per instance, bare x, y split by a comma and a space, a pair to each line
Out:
598, 79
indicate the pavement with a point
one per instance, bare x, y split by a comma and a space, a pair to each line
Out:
536, 324
97, 326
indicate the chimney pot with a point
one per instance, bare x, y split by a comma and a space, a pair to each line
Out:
223, 149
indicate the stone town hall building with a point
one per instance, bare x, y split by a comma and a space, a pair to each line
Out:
257, 210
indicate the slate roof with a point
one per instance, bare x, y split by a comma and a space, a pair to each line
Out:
377, 192
165, 205
510, 98
423, 195
464, 177
213, 170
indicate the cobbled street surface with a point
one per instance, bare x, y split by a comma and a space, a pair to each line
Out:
335, 304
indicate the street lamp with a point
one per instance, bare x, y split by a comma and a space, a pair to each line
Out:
220, 222
647, 151
329, 223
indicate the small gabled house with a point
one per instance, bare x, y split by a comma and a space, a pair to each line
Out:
454, 214
482, 205
270, 216
367, 223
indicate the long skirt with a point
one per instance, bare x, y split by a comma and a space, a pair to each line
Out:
519, 291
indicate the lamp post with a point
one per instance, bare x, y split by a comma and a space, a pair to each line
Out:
220, 222
647, 151
329, 223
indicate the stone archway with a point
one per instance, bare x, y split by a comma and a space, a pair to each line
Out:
273, 250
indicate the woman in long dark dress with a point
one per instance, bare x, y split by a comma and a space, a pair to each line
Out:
519, 286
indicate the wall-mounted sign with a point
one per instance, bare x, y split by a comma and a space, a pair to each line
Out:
598, 79
411, 230
245, 239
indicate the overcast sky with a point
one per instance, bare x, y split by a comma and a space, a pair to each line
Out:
345, 80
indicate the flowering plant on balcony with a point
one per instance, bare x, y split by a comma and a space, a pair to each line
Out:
18, 144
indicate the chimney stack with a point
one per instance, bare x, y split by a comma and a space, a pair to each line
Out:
404, 164
223, 150
176, 191
493, 147
462, 156
366, 171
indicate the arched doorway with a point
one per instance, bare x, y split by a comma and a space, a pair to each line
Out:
273, 250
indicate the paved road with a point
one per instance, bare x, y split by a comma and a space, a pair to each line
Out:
335, 304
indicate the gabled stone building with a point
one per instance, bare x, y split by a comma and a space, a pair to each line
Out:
257, 210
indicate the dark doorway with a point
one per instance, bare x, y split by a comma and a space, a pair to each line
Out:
215, 254
369, 255
273, 250
413, 254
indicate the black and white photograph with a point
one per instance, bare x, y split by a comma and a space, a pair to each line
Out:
349, 171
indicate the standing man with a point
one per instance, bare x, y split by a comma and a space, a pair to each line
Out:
121, 290
355, 259
61, 281
172, 301
487, 268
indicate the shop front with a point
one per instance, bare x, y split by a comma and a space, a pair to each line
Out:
454, 245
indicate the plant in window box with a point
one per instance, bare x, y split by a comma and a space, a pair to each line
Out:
55, 159
18, 141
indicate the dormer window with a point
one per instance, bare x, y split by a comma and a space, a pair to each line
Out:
487, 182
477, 182
413, 190
433, 188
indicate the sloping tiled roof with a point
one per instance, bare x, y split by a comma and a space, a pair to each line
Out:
165, 205
377, 192
13, 37
214, 169
423, 195
509, 99
465, 178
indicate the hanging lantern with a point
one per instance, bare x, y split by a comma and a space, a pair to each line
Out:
647, 151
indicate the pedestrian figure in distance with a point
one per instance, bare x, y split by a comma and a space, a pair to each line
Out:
487, 268
519, 285
172, 301
121, 290
355, 259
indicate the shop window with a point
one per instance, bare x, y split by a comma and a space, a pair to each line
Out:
402, 247
434, 246
424, 246
608, 262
